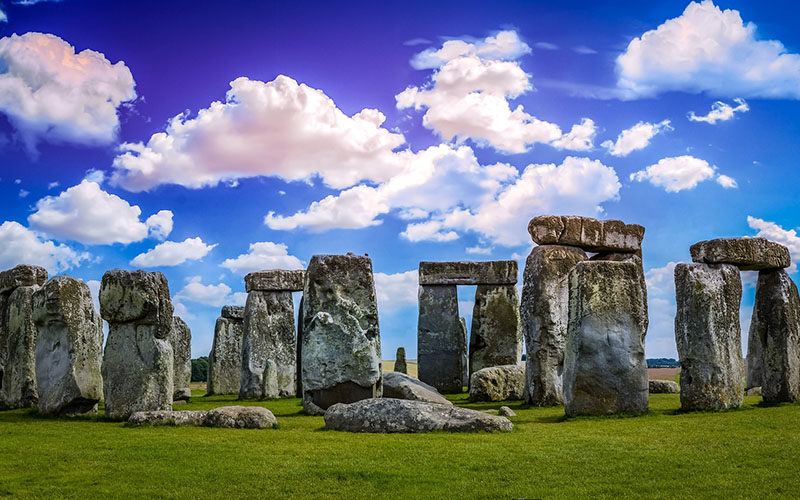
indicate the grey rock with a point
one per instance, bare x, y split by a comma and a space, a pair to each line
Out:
496, 335
401, 386
753, 391
505, 411
664, 387
498, 272
464, 354
225, 359
441, 343
233, 312
18, 388
708, 335
169, 417
3, 343
400, 361
589, 234
498, 383
341, 353
299, 370
604, 363
748, 254
22, 275
181, 340
545, 315
241, 417
69, 347
275, 280
389, 415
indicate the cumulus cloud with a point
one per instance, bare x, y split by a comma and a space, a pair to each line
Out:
87, 214
636, 137
720, 111
210, 295
661, 280
20, 245
727, 182
395, 291
505, 46
94, 289
263, 255
173, 253
774, 232
280, 128
710, 50
681, 172
478, 250
579, 138
51, 93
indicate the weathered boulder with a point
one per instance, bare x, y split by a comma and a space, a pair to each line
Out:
69, 347
441, 343
496, 335
753, 391
544, 314
387, 415
241, 417
21, 275
232, 312
775, 331
275, 280
400, 361
497, 272
664, 387
225, 359
137, 360
505, 411
748, 254
589, 234
708, 335
497, 383
604, 364
18, 388
401, 386
341, 353
181, 340
168, 417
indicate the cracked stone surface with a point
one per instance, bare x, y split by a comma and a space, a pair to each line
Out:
590, 234
748, 254
497, 272
225, 359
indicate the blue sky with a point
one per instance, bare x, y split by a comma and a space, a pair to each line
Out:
209, 139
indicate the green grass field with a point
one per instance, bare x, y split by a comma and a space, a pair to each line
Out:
749, 453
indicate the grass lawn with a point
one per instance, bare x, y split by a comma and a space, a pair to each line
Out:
749, 453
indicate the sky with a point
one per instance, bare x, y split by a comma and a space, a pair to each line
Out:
206, 140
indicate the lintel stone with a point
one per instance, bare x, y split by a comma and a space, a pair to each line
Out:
589, 234
22, 275
495, 272
276, 280
748, 254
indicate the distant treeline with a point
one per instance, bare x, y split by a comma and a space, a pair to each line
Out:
200, 369
663, 363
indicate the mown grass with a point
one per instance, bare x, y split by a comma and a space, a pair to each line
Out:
749, 453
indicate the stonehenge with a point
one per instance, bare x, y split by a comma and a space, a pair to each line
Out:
225, 359
181, 340
497, 383
441, 343
400, 361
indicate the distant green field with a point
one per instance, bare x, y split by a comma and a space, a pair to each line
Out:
749, 453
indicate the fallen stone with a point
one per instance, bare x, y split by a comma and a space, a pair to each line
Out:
241, 417
233, 312
441, 343
276, 280
69, 348
497, 272
401, 386
400, 361
496, 335
505, 411
498, 383
18, 388
22, 275
168, 417
708, 335
181, 340
388, 415
748, 254
753, 391
589, 234
664, 387
225, 359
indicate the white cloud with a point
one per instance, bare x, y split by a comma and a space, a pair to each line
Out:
720, 111
49, 92
727, 182
263, 255
478, 250
579, 138
636, 137
678, 173
94, 175
661, 280
20, 245
708, 50
395, 291
94, 289
774, 232
278, 129
159, 225
53, 185
545, 46
584, 50
505, 46
3, 17
210, 295
428, 231
173, 253
87, 214
23, 193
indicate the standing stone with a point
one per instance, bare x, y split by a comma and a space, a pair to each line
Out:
400, 361
708, 336
604, 364
3, 343
441, 344
464, 353
181, 340
69, 347
225, 359
341, 339
299, 371
19, 376
545, 301
775, 329
137, 361
496, 335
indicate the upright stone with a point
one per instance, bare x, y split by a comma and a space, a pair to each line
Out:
69, 347
225, 359
341, 339
604, 364
496, 335
137, 361
545, 315
299, 371
708, 336
181, 340
464, 353
441, 343
19, 376
400, 361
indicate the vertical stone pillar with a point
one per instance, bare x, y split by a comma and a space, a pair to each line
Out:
181, 340
464, 353
299, 370
400, 361
496, 335
441, 343
225, 359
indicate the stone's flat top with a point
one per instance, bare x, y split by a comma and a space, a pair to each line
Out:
168, 417
403, 386
233, 312
493, 272
241, 417
587, 233
748, 254
276, 280
22, 275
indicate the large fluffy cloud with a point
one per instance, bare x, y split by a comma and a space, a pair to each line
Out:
681, 172
774, 232
50, 92
720, 112
20, 245
636, 137
395, 291
708, 50
505, 46
173, 253
87, 214
280, 128
210, 295
263, 255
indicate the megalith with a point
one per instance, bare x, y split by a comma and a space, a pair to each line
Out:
441, 343
138, 358
400, 361
341, 353
181, 340
69, 347
496, 335
225, 359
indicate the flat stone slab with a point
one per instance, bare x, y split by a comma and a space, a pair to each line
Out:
21, 275
497, 383
401, 386
590, 234
495, 272
241, 417
168, 417
663, 387
233, 312
276, 280
748, 254
387, 415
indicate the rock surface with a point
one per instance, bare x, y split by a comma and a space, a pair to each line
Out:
241, 417
544, 315
401, 386
748, 254
604, 363
225, 359
589, 234
18, 388
708, 336
441, 343
505, 411
400, 365
181, 340
498, 383
664, 387
497, 272
69, 347
496, 335
168, 417
753, 391
388, 415
22, 275
233, 312
276, 280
